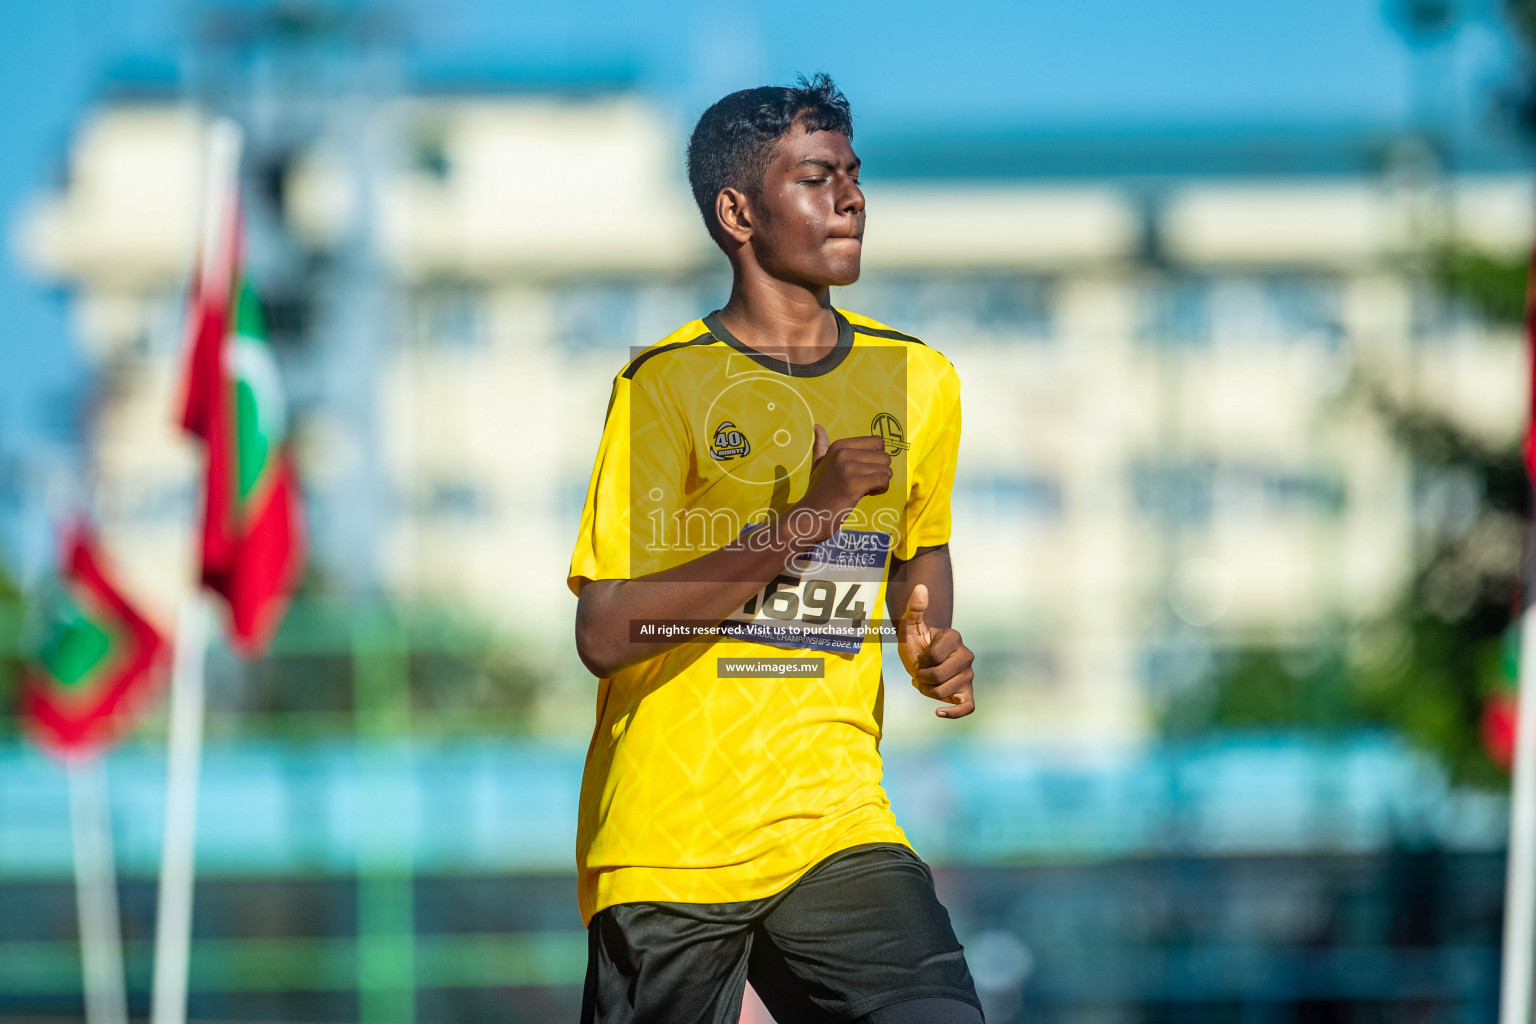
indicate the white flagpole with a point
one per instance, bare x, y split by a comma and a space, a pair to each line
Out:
173, 923
1520, 888
101, 947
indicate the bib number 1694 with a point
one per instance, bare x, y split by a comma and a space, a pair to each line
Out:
814, 602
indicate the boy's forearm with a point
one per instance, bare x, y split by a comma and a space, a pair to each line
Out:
708, 588
930, 567
712, 586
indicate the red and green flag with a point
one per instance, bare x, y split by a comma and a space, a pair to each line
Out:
1501, 707
252, 544
91, 658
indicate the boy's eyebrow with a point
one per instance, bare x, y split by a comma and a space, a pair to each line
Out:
817, 161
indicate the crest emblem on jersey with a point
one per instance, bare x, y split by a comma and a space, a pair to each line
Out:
728, 442
888, 429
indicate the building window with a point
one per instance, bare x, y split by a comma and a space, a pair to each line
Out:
1171, 491
429, 155
1310, 490
1182, 661
1192, 310
1010, 496
1300, 308
1175, 312
1191, 492
1009, 305
450, 316
453, 501
600, 317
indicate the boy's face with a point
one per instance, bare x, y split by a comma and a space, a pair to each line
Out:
809, 224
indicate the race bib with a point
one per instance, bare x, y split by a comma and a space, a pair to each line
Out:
825, 604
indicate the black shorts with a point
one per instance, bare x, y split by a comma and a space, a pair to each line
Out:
861, 930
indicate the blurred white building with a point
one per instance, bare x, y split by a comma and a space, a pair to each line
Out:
1165, 449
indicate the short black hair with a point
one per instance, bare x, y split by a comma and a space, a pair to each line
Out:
733, 142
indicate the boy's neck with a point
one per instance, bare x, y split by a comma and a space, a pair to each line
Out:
787, 321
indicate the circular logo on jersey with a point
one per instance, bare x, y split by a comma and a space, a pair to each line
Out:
774, 421
888, 429
728, 442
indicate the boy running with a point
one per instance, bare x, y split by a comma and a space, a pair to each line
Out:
775, 473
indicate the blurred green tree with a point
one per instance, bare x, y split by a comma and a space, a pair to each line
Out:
10, 654
1430, 666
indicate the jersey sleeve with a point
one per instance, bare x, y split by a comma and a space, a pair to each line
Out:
926, 519
635, 487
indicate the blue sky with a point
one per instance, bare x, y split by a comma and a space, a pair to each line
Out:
906, 66
1025, 61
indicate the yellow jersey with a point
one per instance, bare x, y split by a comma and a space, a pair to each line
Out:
709, 785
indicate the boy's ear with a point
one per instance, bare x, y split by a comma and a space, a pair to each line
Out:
734, 214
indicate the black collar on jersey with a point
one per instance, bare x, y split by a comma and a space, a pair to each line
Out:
826, 364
